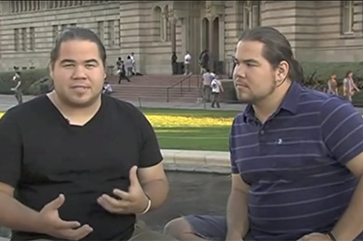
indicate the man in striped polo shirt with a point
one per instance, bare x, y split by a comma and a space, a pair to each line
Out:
296, 154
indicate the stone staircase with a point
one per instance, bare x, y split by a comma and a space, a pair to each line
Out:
157, 88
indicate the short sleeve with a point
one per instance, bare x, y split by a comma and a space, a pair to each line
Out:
342, 129
150, 150
232, 149
10, 150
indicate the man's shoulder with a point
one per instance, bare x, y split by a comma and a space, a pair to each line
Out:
28, 107
327, 105
27, 114
318, 99
121, 107
239, 118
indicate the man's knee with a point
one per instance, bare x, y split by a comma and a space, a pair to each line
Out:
177, 228
142, 233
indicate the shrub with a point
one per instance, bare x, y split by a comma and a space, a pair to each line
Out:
317, 74
28, 78
42, 86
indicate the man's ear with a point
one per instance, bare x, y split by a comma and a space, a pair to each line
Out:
50, 71
282, 71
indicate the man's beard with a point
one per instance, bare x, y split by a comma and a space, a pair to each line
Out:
253, 98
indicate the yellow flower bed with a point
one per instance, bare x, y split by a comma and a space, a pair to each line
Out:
178, 121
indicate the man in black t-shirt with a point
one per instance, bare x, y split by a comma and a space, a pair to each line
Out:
76, 164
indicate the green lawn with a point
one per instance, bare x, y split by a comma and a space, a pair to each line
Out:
214, 138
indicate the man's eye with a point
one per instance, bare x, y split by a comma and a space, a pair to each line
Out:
68, 65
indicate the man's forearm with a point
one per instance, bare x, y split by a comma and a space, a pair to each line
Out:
237, 215
16, 216
350, 225
157, 191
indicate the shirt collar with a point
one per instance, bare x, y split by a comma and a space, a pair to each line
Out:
290, 101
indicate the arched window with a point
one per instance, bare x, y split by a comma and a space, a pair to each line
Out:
159, 31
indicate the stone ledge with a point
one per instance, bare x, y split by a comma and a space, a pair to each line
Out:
196, 161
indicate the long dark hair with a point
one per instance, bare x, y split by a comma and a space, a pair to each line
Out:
276, 49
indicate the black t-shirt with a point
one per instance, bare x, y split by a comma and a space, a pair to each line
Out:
42, 155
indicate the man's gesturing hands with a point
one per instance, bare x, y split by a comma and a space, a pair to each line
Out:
54, 226
132, 202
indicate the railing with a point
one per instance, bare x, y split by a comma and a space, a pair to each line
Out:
180, 84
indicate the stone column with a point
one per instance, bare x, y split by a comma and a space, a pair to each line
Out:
172, 30
211, 44
164, 25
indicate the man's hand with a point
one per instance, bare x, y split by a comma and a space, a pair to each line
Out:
51, 224
315, 237
132, 202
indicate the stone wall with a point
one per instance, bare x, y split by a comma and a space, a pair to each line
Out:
313, 28
35, 33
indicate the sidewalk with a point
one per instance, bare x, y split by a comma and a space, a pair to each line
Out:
197, 161
7, 101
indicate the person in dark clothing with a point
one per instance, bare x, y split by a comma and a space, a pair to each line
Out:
204, 60
174, 64
77, 164
122, 73
119, 63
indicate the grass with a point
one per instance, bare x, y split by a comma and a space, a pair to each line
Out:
191, 129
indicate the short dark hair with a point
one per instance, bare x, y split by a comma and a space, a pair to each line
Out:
276, 49
77, 33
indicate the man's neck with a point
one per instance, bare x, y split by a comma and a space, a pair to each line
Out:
76, 116
266, 107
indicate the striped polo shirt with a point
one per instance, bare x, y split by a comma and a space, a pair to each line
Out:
295, 163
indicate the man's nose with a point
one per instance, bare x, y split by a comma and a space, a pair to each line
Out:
239, 71
79, 72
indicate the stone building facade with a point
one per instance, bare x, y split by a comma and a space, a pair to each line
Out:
318, 30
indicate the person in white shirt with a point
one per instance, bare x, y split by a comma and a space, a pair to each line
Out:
129, 66
17, 89
349, 87
107, 88
217, 88
133, 63
187, 58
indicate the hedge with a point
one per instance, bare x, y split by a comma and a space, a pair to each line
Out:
28, 77
316, 76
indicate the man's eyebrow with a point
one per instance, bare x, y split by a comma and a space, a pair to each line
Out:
73, 61
250, 61
91, 61
67, 61
246, 60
